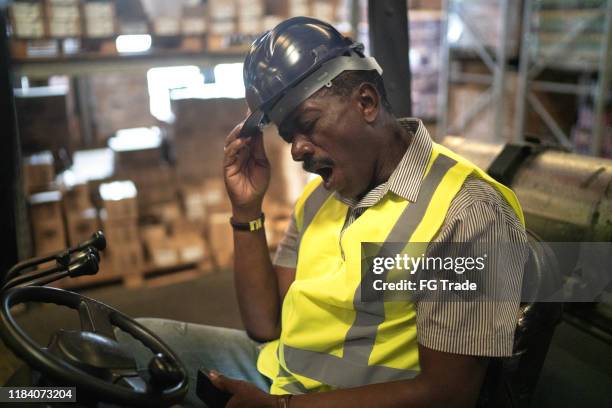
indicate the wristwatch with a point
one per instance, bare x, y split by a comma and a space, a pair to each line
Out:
253, 225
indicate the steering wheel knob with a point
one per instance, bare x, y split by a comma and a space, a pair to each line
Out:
163, 371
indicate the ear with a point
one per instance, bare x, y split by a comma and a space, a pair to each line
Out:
369, 101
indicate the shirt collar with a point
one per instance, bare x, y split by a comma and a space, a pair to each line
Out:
405, 181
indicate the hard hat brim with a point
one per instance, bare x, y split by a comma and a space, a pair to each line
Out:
253, 124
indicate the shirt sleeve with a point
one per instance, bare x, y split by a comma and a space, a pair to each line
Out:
287, 251
478, 214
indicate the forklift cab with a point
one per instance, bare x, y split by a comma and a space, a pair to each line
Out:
104, 371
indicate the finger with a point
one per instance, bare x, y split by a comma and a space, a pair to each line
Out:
257, 146
233, 135
222, 382
232, 151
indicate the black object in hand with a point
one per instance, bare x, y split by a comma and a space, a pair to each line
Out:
212, 396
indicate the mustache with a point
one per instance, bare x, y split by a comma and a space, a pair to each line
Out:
310, 164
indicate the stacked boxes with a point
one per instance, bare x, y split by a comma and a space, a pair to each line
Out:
321, 9
47, 120
99, 19
206, 204
81, 216
47, 220
120, 225
38, 172
181, 243
200, 129
27, 19
250, 16
220, 238
138, 157
209, 196
324, 10
222, 17
119, 101
299, 8
63, 18
199, 148
193, 21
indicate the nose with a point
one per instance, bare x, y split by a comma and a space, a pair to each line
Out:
301, 147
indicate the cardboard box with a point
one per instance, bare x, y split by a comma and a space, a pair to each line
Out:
167, 26
222, 17
63, 18
221, 239
160, 251
136, 148
126, 259
163, 254
99, 17
215, 195
119, 233
119, 101
27, 19
119, 200
77, 198
288, 179
191, 247
47, 222
278, 216
194, 202
204, 198
250, 16
193, 21
200, 129
46, 207
38, 172
46, 118
81, 225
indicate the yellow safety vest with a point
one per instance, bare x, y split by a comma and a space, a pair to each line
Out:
330, 338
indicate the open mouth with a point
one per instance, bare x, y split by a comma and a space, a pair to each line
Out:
325, 172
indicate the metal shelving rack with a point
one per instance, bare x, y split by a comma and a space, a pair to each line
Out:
495, 60
81, 65
530, 68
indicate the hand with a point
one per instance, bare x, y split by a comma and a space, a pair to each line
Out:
246, 171
245, 395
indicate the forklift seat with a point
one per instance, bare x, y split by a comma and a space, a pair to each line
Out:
510, 381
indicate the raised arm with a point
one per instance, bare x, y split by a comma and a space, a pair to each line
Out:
259, 285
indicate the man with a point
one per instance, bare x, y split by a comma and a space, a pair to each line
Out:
381, 180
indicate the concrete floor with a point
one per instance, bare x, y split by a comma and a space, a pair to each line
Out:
577, 371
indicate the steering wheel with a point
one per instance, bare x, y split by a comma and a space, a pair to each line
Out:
91, 358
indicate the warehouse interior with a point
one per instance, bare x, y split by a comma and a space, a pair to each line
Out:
115, 114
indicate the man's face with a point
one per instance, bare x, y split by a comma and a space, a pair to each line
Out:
329, 135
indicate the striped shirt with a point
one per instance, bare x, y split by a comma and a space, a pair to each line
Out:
478, 213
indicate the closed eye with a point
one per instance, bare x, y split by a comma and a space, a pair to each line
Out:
307, 127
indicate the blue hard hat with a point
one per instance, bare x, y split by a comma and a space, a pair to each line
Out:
291, 62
